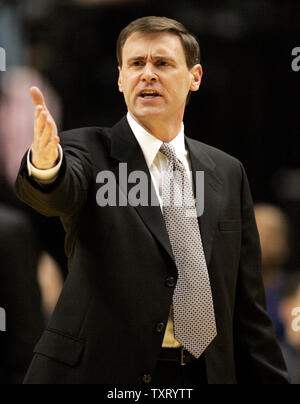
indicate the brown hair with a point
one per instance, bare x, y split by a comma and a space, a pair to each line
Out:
151, 25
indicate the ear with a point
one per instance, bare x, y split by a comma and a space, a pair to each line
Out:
120, 80
197, 74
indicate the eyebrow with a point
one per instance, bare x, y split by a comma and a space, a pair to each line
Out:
156, 58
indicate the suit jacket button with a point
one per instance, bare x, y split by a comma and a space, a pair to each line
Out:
160, 328
170, 282
147, 379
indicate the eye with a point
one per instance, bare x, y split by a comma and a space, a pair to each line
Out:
162, 63
137, 63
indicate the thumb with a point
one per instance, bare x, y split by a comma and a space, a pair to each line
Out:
37, 97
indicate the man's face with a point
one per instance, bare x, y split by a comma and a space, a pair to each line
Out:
154, 77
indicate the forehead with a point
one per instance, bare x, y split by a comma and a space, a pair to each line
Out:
153, 44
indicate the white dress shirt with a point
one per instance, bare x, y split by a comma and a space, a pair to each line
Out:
157, 163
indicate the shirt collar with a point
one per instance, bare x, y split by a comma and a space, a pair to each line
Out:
150, 145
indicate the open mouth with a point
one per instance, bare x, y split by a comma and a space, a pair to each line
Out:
149, 94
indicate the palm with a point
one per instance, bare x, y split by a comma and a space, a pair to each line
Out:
45, 140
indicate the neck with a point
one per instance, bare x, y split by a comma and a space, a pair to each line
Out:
164, 131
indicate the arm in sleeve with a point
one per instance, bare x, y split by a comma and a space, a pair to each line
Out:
67, 194
258, 355
44, 176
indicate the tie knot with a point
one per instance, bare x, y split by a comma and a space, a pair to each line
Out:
169, 151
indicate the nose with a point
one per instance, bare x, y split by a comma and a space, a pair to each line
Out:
148, 74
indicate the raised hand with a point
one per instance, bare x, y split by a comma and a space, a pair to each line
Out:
45, 140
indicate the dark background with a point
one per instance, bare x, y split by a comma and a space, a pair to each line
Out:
248, 106
249, 101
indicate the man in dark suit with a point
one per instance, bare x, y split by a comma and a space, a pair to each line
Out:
154, 293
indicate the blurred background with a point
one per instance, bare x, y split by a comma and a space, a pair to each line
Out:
248, 106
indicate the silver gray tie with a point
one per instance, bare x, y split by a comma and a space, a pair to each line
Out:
194, 317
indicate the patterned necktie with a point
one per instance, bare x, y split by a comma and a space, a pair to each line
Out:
194, 317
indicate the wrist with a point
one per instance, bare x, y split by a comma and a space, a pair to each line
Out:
44, 174
46, 165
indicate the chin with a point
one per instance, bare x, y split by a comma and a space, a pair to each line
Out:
149, 112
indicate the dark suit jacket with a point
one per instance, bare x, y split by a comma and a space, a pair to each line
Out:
107, 325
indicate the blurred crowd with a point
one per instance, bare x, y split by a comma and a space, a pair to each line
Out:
282, 286
44, 51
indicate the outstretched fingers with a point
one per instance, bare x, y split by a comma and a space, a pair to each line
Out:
47, 133
53, 147
37, 97
41, 123
45, 140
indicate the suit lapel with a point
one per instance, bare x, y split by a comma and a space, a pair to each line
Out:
125, 149
212, 197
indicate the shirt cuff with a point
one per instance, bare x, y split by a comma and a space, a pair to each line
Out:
44, 176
